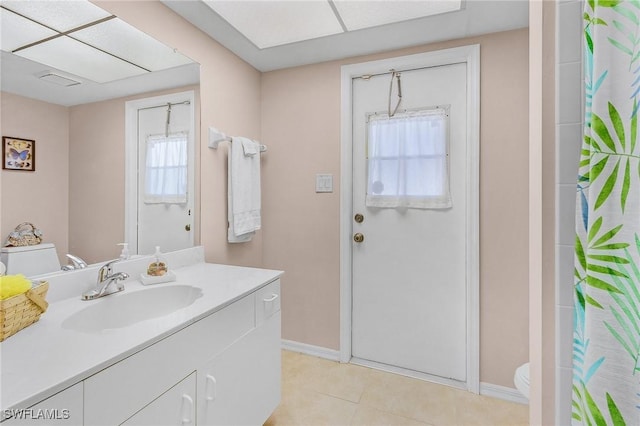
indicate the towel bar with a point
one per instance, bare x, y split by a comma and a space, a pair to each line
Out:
216, 136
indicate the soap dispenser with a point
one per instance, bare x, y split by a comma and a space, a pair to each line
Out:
124, 255
158, 267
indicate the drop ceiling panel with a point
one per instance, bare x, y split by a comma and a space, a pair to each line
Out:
357, 15
18, 31
475, 18
59, 15
127, 42
274, 23
77, 58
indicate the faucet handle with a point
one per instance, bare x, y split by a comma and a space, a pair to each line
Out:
105, 270
78, 263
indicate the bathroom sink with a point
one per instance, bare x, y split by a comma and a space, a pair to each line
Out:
125, 309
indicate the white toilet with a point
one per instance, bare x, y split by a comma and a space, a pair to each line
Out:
521, 379
30, 260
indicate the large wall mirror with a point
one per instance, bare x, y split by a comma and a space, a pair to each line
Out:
68, 70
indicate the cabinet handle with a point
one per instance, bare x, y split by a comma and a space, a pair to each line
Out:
187, 409
211, 391
271, 299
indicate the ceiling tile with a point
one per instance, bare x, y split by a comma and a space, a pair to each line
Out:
270, 23
59, 15
121, 39
77, 58
17, 31
357, 15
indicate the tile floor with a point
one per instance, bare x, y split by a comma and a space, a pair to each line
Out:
317, 392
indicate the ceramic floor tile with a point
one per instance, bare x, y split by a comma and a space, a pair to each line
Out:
479, 410
306, 407
426, 402
369, 416
316, 391
345, 381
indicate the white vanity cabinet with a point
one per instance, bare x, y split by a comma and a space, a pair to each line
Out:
221, 370
63, 408
241, 385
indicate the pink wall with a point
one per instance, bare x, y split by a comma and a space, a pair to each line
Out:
301, 125
42, 196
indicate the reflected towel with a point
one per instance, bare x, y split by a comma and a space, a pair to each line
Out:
244, 198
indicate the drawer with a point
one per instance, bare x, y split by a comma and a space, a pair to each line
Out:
267, 301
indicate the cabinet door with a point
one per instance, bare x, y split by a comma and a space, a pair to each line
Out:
63, 408
175, 407
241, 386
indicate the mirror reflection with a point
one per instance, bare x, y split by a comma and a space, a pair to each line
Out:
72, 77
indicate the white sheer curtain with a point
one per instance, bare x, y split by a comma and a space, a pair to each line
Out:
407, 160
166, 169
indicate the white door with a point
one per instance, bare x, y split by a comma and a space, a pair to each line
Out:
409, 296
165, 221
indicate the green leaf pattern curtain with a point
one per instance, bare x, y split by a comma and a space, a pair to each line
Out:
606, 344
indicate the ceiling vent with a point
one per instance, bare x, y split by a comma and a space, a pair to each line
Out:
54, 78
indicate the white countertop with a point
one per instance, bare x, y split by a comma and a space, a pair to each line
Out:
46, 358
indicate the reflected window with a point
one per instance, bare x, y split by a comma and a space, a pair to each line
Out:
166, 169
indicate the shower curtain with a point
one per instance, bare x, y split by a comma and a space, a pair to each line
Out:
606, 345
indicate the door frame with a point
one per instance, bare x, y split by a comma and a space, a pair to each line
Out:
465, 54
131, 159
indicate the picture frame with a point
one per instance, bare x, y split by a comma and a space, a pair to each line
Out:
18, 154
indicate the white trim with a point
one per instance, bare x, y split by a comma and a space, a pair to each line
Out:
304, 348
465, 54
503, 392
131, 159
409, 373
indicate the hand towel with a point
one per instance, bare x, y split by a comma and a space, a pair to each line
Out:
249, 147
244, 198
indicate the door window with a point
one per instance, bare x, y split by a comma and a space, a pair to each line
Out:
407, 159
166, 169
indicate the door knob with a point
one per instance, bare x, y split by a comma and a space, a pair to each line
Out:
358, 238
187, 227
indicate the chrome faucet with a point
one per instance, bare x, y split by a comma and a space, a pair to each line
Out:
106, 277
76, 263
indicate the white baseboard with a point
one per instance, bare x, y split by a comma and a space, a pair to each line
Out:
304, 348
503, 392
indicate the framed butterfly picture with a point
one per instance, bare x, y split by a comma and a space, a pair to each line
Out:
18, 154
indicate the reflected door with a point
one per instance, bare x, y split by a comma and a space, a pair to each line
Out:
165, 178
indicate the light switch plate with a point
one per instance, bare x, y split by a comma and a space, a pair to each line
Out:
324, 183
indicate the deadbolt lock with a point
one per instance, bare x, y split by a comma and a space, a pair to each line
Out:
358, 218
358, 238
187, 227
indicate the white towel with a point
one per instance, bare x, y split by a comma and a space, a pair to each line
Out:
249, 147
243, 191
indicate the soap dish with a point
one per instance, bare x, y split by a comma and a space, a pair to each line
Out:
150, 279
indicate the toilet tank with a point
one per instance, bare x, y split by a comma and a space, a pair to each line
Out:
30, 260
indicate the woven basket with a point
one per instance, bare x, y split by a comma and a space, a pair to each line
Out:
22, 310
25, 234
